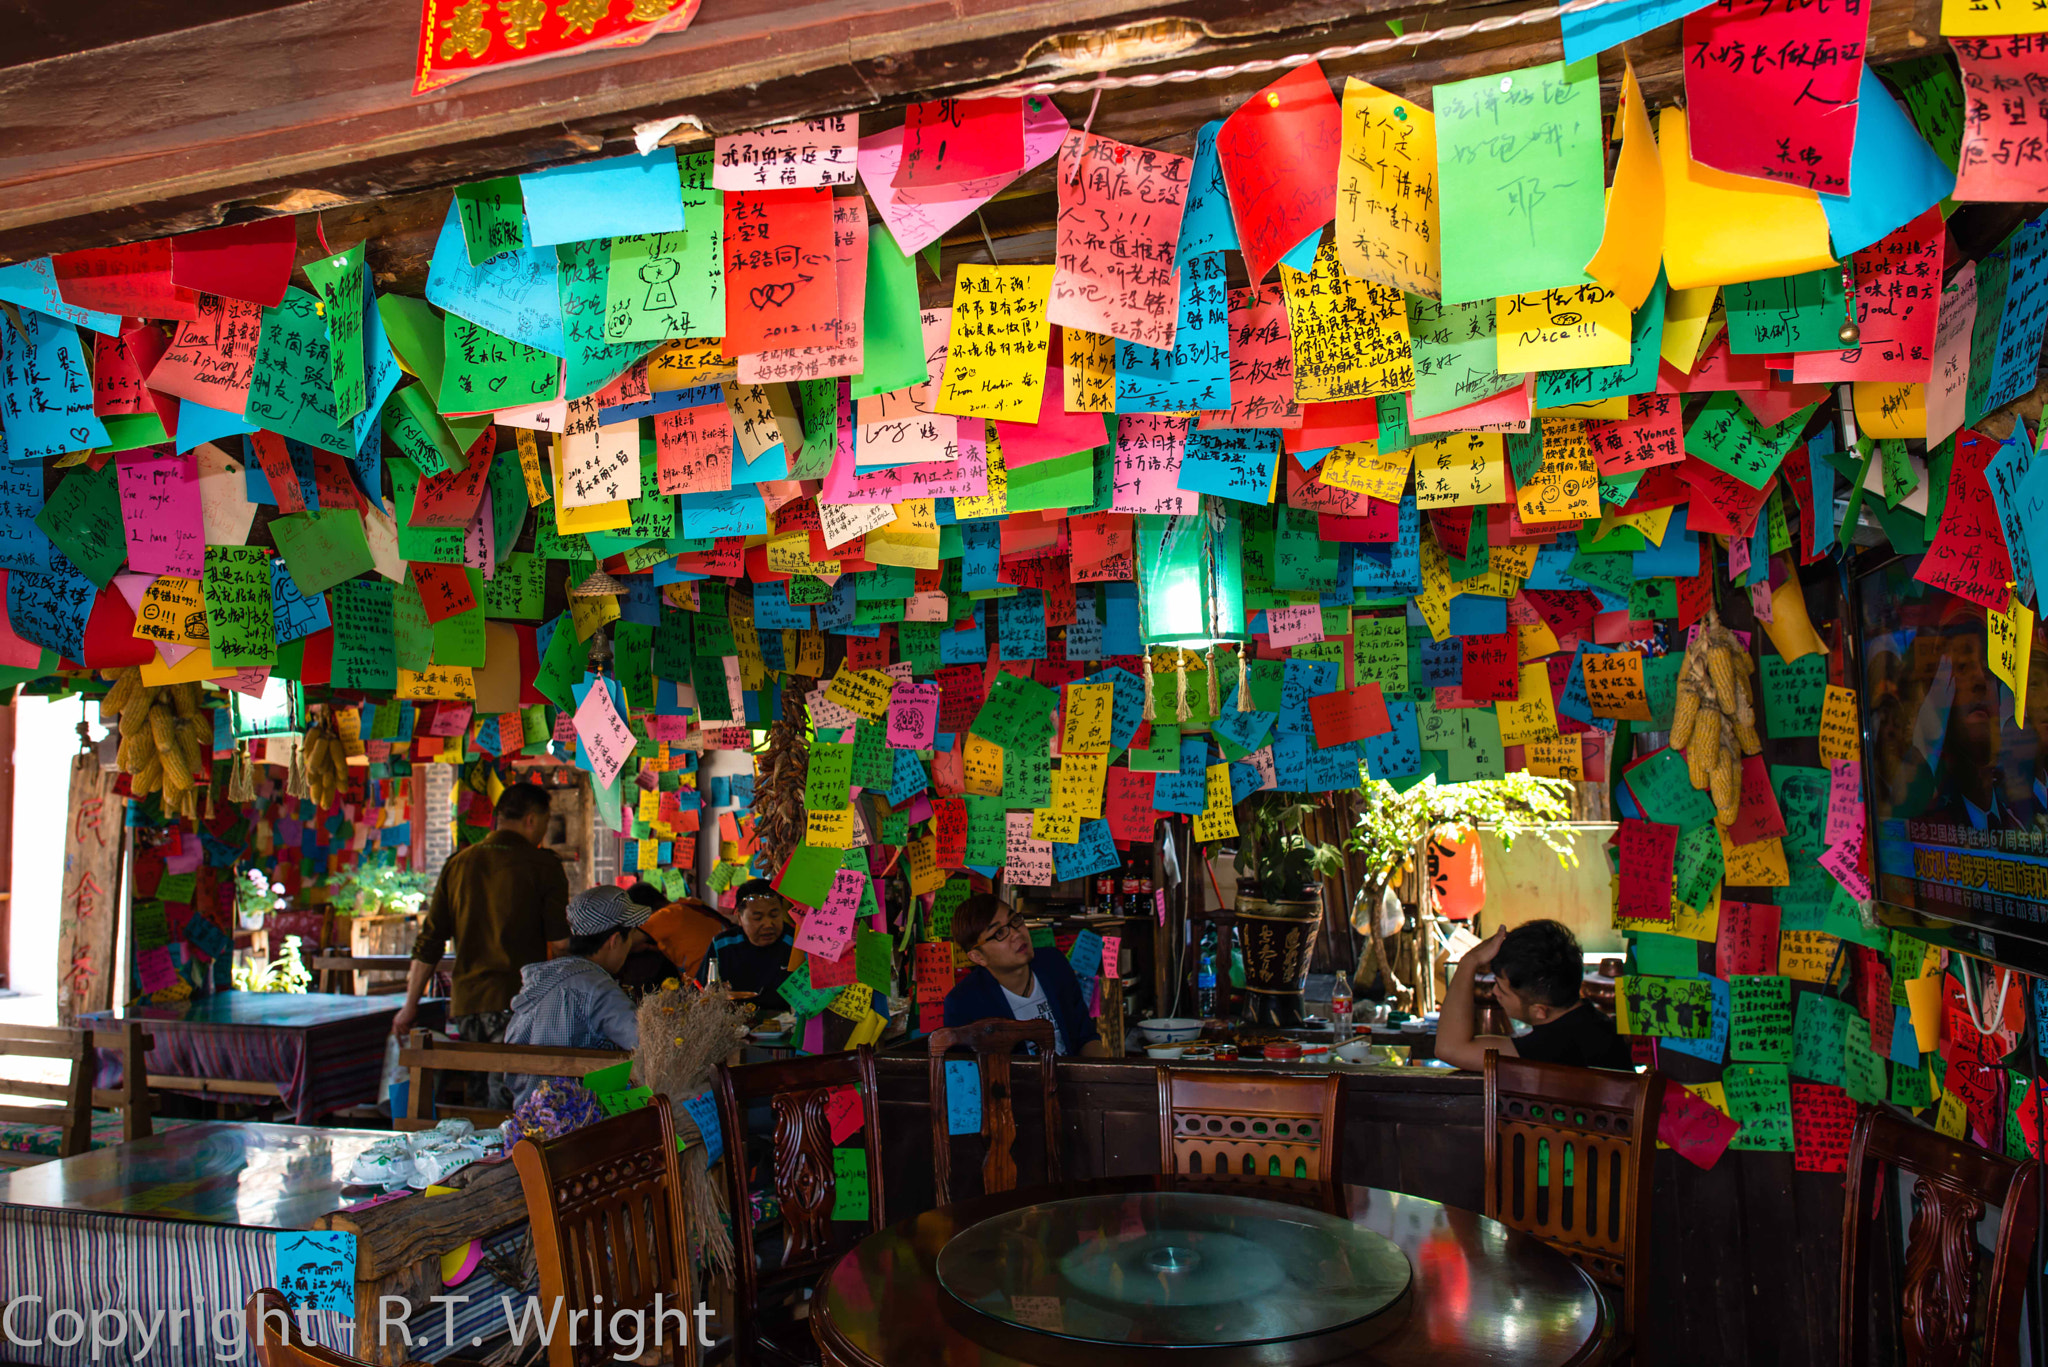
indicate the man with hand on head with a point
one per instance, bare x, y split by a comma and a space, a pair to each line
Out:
1537, 974
1012, 981
502, 902
574, 1001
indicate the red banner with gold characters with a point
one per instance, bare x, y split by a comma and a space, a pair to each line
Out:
461, 38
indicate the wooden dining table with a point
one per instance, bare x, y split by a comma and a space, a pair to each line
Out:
1479, 1291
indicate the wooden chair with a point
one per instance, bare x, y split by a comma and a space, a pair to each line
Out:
992, 1042
770, 1316
427, 1058
1938, 1296
68, 1128
1275, 1130
606, 1206
1568, 1153
274, 1335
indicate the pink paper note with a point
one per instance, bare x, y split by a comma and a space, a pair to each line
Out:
249, 682
918, 217
607, 740
1950, 383
15, 653
1300, 624
154, 968
946, 142
2004, 124
913, 716
1699, 1133
1056, 433
1147, 473
828, 931
186, 860
1844, 864
161, 514
1845, 802
1119, 221
1028, 862
1261, 363
788, 156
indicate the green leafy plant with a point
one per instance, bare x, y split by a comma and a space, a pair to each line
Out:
1391, 824
392, 891
1276, 860
286, 973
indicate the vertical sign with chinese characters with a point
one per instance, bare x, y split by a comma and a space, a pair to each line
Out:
94, 822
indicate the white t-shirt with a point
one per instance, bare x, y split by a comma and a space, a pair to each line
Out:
1036, 1008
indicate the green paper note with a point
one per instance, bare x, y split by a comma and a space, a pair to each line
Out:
493, 217
487, 372
83, 516
292, 391
1789, 313
1456, 355
808, 878
1818, 1024
849, 1184
1760, 1096
582, 285
1667, 956
872, 952
1760, 1018
1727, 436
1794, 693
363, 656
240, 629
892, 344
665, 285
1522, 182
339, 281
519, 589
322, 549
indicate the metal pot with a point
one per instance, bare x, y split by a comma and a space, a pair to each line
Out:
1278, 940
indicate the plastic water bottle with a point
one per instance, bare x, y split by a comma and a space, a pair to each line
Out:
1340, 1011
1205, 978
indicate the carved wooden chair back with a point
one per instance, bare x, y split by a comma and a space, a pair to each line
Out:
275, 1336
992, 1042
1275, 1129
606, 1206
1568, 1154
799, 1093
1938, 1303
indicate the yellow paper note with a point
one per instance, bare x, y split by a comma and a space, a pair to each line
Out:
1531, 716
1951, 1117
1534, 640
1350, 336
1362, 468
982, 765
1701, 923
529, 467
1759, 864
1555, 757
924, 864
1790, 630
1808, 955
1386, 192
1686, 314
1885, 409
809, 652
853, 1001
1434, 602
1218, 820
1460, 469
1566, 486
442, 681
1632, 248
1840, 735
173, 610
1088, 718
829, 830
1721, 229
995, 353
996, 502
1051, 823
1651, 524
862, 691
196, 665
688, 363
790, 553
1562, 329
588, 614
2011, 646
594, 517
1991, 18
1090, 367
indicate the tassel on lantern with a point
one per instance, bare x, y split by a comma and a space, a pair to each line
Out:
1180, 685
1214, 707
1149, 709
1244, 686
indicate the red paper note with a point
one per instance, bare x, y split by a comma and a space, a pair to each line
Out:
1771, 90
276, 463
1261, 364
1279, 155
693, 450
782, 287
1758, 817
1652, 434
1119, 221
1823, 1119
1695, 1130
1747, 940
1492, 672
1898, 299
1968, 557
133, 280
444, 589
1647, 850
2005, 124
213, 357
1350, 715
948, 141
245, 261
843, 1111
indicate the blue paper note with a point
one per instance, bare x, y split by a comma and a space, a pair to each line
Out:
1120, 620
1085, 958
1396, 752
197, 424
33, 285
1244, 780
1905, 1044
769, 465
1473, 614
732, 512
616, 197
23, 545
1095, 852
1590, 32
515, 295
316, 1269
2018, 355
1823, 475
1020, 626
1084, 633
1894, 176
1231, 462
704, 1111
1443, 662
1175, 792
1301, 680
46, 390
1678, 556
292, 613
1206, 224
1193, 373
2007, 474
963, 1097
51, 610
1246, 730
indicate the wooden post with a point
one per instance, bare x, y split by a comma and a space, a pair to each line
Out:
93, 904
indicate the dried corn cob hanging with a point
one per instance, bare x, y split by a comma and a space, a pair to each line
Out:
1713, 722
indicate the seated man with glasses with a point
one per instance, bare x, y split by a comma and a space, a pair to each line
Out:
1012, 981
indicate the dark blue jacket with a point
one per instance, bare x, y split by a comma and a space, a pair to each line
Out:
978, 996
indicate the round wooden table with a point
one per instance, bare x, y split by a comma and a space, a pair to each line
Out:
1481, 1293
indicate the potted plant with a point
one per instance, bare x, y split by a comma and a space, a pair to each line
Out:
1279, 903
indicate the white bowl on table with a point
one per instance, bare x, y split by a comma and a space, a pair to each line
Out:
1171, 1030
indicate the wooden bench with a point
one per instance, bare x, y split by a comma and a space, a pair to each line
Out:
72, 1120
427, 1057
351, 972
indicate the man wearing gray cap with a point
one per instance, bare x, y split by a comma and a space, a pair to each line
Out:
574, 1000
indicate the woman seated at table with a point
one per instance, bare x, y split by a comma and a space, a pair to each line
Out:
1537, 974
755, 957
1011, 980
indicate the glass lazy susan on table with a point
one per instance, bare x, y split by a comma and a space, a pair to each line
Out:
1181, 1276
